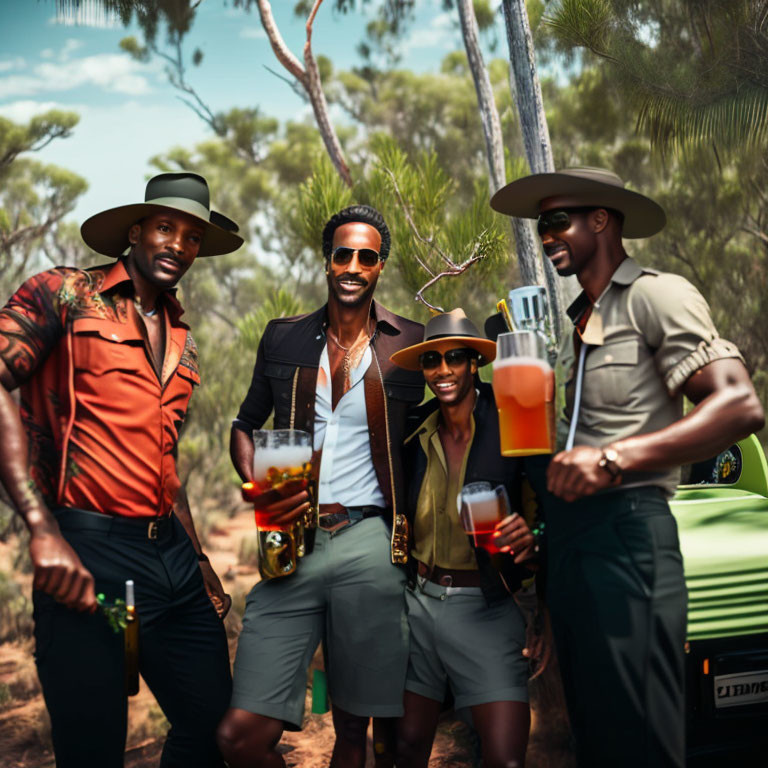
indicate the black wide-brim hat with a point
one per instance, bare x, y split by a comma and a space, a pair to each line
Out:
585, 186
449, 326
107, 232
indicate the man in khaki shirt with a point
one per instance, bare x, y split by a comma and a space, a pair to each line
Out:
642, 340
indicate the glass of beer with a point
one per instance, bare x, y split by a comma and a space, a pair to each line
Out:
524, 388
280, 456
481, 507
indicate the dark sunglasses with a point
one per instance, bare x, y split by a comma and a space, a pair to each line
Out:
454, 358
558, 220
366, 256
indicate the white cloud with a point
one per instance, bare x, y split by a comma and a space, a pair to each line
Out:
440, 33
47, 53
70, 46
253, 33
111, 71
9, 64
23, 111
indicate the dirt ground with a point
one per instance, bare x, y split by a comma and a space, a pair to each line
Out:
25, 729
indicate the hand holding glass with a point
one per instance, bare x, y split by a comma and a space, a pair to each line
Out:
282, 467
481, 508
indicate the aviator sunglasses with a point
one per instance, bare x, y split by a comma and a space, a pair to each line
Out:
454, 358
366, 256
558, 220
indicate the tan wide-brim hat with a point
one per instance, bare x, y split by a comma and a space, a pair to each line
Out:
449, 326
585, 186
107, 232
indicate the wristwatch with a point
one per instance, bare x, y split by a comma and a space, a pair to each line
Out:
609, 458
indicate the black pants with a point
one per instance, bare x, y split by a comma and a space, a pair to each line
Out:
617, 599
183, 653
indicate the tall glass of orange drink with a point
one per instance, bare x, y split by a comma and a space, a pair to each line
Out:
524, 388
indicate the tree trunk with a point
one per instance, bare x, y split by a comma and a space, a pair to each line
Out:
489, 115
525, 243
526, 91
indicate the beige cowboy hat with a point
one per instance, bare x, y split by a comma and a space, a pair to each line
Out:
449, 326
586, 186
107, 232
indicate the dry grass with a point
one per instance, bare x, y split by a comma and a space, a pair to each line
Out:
25, 728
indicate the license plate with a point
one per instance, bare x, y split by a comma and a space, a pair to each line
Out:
740, 689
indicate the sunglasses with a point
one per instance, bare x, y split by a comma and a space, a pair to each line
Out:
454, 358
366, 256
558, 220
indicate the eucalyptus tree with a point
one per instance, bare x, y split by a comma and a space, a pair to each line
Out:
697, 70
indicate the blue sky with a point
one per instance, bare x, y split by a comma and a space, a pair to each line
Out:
128, 110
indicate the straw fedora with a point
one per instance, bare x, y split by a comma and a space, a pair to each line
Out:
107, 232
449, 326
587, 186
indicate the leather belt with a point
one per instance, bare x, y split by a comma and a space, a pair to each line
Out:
447, 577
331, 517
73, 519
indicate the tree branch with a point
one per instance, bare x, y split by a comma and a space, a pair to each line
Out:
280, 49
428, 241
456, 270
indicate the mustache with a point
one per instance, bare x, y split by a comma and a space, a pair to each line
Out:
168, 255
555, 247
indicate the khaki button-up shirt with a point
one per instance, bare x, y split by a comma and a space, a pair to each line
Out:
439, 538
648, 333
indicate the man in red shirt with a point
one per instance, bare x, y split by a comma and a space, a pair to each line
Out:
105, 368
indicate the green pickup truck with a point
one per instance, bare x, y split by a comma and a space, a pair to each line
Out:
722, 516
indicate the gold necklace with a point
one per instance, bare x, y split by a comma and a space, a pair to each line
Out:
352, 357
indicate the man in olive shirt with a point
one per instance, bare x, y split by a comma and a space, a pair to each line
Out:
466, 630
642, 340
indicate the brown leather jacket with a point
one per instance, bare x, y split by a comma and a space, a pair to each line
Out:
285, 377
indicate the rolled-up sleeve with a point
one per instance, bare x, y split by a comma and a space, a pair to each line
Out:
31, 324
676, 323
257, 406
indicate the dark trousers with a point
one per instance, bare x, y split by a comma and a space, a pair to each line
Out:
617, 599
183, 654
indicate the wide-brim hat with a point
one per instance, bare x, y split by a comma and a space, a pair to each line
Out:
586, 186
107, 232
449, 326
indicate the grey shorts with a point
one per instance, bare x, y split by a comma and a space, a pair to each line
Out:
457, 639
346, 593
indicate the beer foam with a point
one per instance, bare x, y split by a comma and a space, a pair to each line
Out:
282, 457
481, 497
507, 362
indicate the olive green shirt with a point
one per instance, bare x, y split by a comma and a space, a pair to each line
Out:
439, 538
648, 333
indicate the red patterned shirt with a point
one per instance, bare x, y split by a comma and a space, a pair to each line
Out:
102, 427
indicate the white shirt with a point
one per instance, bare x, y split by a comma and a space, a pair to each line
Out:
347, 474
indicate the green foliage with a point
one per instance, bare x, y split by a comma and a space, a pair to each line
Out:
40, 131
697, 70
250, 327
34, 196
434, 235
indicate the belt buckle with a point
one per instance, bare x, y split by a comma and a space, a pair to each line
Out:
152, 530
446, 581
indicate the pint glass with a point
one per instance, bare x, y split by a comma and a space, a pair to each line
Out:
481, 507
524, 388
279, 457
